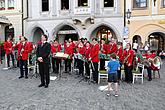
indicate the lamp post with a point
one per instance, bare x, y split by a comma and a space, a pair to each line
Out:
128, 14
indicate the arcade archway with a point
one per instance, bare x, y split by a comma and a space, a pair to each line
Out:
105, 32
156, 41
65, 32
37, 34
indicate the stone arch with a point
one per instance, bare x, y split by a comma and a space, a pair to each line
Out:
111, 26
60, 25
32, 29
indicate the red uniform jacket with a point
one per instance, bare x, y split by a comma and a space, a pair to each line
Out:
7, 47
153, 55
111, 48
81, 50
94, 54
130, 58
24, 54
69, 50
55, 49
30, 46
87, 52
120, 54
146, 55
103, 48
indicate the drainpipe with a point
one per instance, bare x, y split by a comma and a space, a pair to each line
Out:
124, 13
23, 19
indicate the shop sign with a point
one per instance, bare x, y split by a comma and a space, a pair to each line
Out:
68, 32
162, 22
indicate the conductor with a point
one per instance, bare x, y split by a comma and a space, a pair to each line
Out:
43, 51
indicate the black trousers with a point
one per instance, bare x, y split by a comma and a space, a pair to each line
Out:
119, 72
102, 64
68, 64
149, 73
44, 73
8, 59
80, 64
23, 67
95, 71
128, 73
87, 69
55, 64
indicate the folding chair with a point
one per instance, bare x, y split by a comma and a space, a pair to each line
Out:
138, 73
103, 74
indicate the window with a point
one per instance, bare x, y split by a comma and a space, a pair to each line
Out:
64, 4
139, 3
108, 3
82, 3
2, 4
10, 4
163, 3
45, 5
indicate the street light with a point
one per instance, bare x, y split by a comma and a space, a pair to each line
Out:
128, 13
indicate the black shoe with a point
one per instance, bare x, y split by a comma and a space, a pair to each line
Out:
46, 86
26, 77
40, 85
149, 79
20, 77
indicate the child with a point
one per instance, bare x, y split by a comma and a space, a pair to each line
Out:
113, 66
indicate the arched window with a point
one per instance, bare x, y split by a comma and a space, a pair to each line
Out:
11, 4
82, 3
45, 5
108, 3
140, 3
2, 4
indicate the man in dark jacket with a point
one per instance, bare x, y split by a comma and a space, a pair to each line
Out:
43, 52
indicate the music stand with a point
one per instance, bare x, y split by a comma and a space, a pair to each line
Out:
61, 56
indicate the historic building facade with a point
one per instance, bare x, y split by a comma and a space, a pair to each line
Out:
147, 22
63, 19
10, 18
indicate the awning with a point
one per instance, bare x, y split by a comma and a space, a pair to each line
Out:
4, 20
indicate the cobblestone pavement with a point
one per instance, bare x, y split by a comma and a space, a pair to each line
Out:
69, 94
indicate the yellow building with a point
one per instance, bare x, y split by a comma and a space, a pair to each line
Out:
147, 22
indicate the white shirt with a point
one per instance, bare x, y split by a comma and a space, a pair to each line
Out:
135, 45
146, 47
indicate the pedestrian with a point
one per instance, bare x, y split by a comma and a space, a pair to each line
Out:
8, 47
128, 63
113, 67
94, 58
135, 46
23, 52
42, 53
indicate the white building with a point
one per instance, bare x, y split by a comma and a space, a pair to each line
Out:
74, 19
10, 18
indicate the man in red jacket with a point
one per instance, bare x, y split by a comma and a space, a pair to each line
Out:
128, 63
119, 53
8, 47
87, 55
103, 52
55, 47
68, 50
23, 51
94, 58
81, 53
112, 47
